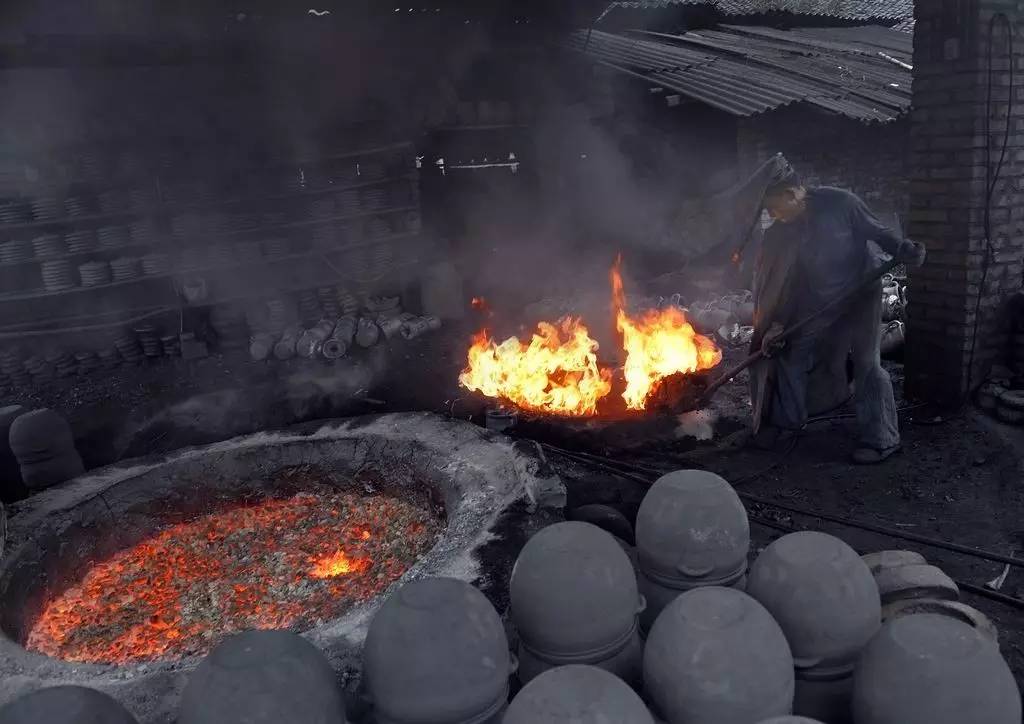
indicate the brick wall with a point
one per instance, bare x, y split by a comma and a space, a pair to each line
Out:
948, 197
870, 160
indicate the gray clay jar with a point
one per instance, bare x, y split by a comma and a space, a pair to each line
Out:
716, 656
65, 705
263, 677
578, 694
574, 596
436, 653
932, 669
822, 594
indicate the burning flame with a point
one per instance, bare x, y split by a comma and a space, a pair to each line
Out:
658, 344
555, 372
338, 564
558, 371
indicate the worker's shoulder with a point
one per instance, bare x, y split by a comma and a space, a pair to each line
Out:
834, 193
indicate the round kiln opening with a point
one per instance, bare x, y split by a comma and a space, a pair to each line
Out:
291, 560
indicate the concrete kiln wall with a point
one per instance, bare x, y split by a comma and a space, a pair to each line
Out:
871, 160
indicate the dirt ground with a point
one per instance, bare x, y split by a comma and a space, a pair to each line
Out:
957, 480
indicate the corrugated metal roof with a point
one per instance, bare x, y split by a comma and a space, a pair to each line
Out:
862, 73
841, 9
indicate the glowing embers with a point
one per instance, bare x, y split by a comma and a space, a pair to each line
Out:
279, 563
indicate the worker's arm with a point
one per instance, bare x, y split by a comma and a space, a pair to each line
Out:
867, 227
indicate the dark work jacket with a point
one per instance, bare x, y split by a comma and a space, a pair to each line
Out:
807, 263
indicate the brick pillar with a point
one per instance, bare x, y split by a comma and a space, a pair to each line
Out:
948, 192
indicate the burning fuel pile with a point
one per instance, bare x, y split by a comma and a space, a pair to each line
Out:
278, 563
559, 372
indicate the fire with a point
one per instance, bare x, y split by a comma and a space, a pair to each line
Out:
658, 344
338, 564
280, 563
556, 371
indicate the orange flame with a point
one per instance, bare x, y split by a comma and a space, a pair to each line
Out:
658, 344
338, 564
555, 372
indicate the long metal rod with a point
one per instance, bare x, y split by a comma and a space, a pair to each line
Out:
856, 289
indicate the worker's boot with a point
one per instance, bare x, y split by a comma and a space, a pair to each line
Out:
864, 455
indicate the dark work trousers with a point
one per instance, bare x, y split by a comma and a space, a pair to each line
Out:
875, 404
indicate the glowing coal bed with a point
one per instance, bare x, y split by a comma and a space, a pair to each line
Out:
123, 579
290, 563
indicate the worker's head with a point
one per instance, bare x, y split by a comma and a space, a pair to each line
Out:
785, 198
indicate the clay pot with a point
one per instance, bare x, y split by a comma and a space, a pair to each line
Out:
436, 653
263, 677
691, 530
931, 669
11, 485
578, 694
716, 656
574, 597
821, 593
43, 444
65, 705
790, 720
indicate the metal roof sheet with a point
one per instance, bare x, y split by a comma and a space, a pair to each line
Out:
862, 73
841, 9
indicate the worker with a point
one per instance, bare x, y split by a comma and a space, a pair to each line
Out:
816, 249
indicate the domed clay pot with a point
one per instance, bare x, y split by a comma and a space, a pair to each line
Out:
579, 694
65, 705
436, 653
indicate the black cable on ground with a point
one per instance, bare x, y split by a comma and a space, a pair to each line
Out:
962, 585
616, 468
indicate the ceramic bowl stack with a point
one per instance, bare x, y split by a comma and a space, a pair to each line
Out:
76, 206
347, 204
155, 264
125, 268
13, 212
309, 308
113, 201
128, 347
13, 368
13, 252
64, 363
95, 273
88, 362
81, 242
46, 209
279, 315
383, 257
274, 248
149, 339
57, 275
374, 199
42, 372
348, 302
113, 237
48, 245
329, 302
109, 359
89, 167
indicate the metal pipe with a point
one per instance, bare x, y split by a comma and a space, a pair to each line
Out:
414, 328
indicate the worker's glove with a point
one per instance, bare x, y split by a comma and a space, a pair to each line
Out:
770, 343
911, 253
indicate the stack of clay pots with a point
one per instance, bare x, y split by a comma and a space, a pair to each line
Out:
825, 599
691, 531
574, 600
41, 441
436, 653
